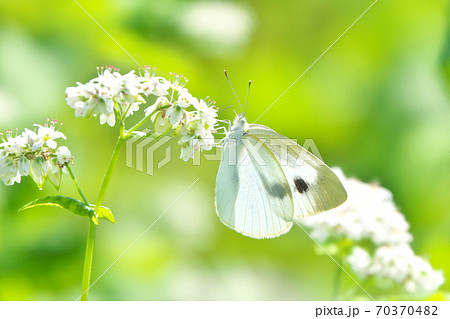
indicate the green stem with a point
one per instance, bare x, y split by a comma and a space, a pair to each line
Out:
74, 179
142, 122
92, 226
109, 172
85, 284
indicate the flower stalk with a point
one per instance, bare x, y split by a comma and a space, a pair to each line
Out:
92, 226
75, 182
86, 281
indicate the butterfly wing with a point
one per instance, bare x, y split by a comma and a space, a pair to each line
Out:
314, 186
253, 196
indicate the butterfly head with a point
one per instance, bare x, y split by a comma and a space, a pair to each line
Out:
239, 124
238, 129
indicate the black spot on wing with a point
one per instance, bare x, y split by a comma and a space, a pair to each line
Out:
277, 190
274, 189
301, 185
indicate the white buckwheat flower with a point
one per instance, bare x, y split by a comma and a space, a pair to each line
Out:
161, 102
114, 97
33, 153
397, 264
368, 213
154, 85
63, 155
372, 236
206, 113
47, 136
24, 166
110, 96
9, 172
195, 120
12, 144
360, 260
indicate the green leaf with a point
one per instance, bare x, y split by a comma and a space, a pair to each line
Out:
105, 213
75, 206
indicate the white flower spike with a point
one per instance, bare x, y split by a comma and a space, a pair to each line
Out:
115, 97
379, 238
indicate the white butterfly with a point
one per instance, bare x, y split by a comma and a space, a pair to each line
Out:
266, 180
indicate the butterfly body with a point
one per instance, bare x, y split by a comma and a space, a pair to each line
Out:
266, 180
238, 129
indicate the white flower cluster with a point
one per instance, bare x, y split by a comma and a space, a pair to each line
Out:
33, 153
108, 95
193, 119
398, 264
376, 238
368, 213
114, 96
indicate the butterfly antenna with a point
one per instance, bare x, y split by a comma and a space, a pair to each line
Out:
248, 95
226, 75
227, 109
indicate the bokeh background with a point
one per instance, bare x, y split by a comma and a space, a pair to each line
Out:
377, 105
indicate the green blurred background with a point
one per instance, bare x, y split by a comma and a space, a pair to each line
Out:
377, 105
